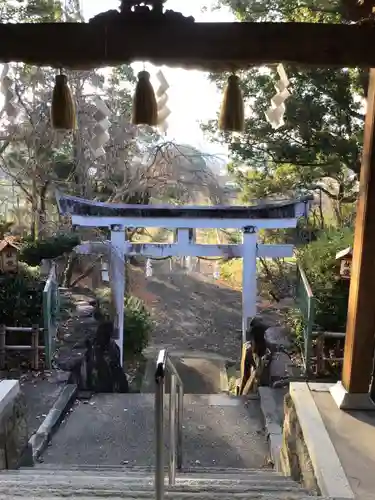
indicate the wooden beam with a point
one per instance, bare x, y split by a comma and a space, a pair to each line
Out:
360, 328
209, 46
158, 250
194, 223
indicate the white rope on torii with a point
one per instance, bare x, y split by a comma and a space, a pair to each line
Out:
162, 97
10, 106
275, 113
100, 132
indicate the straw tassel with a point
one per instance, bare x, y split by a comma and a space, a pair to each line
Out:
63, 114
232, 110
145, 108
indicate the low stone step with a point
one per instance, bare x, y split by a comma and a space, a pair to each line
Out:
134, 481
121, 471
199, 375
134, 495
138, 483
134, 476
147, 469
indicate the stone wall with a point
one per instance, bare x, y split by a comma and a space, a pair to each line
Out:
13, 425
294, 456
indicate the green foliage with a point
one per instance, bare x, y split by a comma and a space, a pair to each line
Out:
295, 321
138, 326
21, 298
5, 227
137, 321
231, 272
33, 252
319, 147
318, 260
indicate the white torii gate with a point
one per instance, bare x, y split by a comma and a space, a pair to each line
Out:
119, 217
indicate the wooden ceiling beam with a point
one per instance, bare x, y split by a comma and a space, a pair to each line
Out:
207, 46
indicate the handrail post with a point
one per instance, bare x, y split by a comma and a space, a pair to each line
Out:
176, 401
172, 430
180, 410
159, 436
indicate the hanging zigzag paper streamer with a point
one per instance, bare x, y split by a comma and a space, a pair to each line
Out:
162, 98
10, 99
216, 271
148, 268
275, 113
101, 135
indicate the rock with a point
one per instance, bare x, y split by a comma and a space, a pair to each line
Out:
104, 370
278, 336
84, 310
281, 366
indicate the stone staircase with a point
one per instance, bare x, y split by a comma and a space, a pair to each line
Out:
225, 454
105, 448
138, 482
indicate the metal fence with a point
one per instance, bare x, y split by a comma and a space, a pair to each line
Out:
306, 303
51, 308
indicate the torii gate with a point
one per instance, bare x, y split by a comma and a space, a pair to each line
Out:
118, 217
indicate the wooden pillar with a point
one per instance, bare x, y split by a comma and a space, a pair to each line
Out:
35, 347
249, 277
117, 276
353, 391
3, 333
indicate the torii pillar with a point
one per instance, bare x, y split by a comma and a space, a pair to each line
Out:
249, 277
353, 392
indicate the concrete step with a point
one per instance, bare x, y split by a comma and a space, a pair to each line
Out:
110, 485
200, 375
218, 430
138, 482
184, 481
101, 482
46, 494
121, 471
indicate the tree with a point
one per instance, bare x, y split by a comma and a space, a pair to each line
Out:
36, 158
130, 165
319, 147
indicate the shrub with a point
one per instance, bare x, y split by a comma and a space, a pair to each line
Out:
137, 321
318, 260
21, 298
33, 252
231, 272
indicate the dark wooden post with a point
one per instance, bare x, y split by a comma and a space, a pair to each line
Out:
35, 347
3, 333
360, 327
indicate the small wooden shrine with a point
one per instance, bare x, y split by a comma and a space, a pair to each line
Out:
344, 259
9, 251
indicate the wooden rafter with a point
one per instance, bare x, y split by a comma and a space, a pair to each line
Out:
208, 46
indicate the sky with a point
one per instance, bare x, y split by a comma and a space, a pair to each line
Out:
192, 98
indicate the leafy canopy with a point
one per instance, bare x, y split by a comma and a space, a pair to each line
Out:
320, 144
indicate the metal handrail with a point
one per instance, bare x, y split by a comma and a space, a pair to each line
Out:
176, 400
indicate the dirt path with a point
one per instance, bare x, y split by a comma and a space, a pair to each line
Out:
191, 312
194, 311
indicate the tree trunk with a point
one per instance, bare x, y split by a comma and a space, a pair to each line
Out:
68, 273
42, 212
